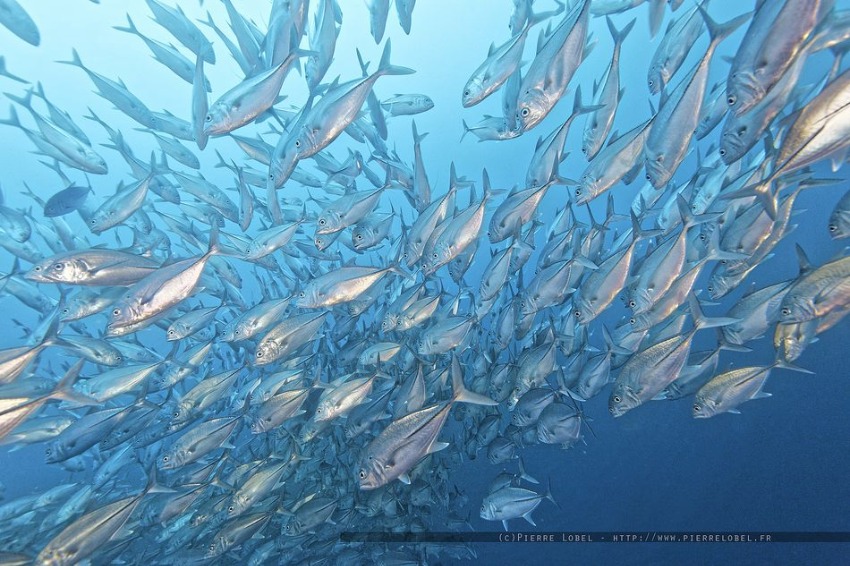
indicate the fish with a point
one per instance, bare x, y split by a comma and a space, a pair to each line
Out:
674, 48
406, 441
326, 120
649, 371
726, 391
379, 11
607, 95
159, 291
407, 104
512, 502
247, 100
764, 58
677, 119
18, 21
549, 74
500, 64
839, 219
66, 201
93, 267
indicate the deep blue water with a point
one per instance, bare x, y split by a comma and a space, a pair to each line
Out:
779, 466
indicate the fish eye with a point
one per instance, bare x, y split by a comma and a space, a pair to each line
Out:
93, 222
722, 152
711, 288
702, 237
632, 320
466, 92
322, 221
259, 353
578, 192
731, 100
37, 268
230, 508
786, 311
208, 118
359, 236
833, 227
524, 112
116, 312
59, 266
165, 458
302, 294
48, 451
171, 333
436, 255
617, 399
632, 304
697, 408
648, 178
651, 82
297, 143
578, 314
362, 474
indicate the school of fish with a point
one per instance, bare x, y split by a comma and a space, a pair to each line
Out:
256, 373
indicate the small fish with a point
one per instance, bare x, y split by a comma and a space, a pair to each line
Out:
66, 201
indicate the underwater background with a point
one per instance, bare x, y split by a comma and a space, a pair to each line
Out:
781, 465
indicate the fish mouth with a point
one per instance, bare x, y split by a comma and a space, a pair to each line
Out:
32, 276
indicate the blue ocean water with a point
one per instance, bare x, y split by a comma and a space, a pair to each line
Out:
779, 466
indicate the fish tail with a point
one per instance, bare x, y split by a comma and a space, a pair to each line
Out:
64, 389
25, 101
131, 27
396, 268
639, 233
364, 67
12, 120
716, 253
461, 393
701, 321
214, 245
153, 486
780, 363
579, 108
466, 130
717, 32
611, 346
619, 35
724, 344
418, 138
75, 60
387, 68
523, 474
548, 494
